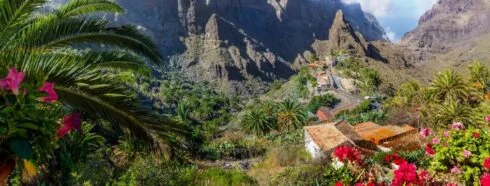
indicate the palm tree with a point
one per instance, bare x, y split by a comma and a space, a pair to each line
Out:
291, 115
448, 86
480, 75
442, 115
257, 121
80, 52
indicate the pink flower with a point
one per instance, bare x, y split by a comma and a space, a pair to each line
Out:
12, 81
487, 118
49, 89
435, 141
424, 176
485, 180
339, 183
346, 153
425, 132
451, 184
457, 126
446, 134
429, 151
486, 163
466, 153
70, 122
455, 170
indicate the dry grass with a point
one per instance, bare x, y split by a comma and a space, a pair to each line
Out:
276, 161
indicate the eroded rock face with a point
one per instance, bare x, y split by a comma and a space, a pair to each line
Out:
447, 24
240, 44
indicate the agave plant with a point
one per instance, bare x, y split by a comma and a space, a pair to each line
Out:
81, 53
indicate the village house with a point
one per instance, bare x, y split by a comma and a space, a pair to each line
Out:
382, 134
326, 114
322, 139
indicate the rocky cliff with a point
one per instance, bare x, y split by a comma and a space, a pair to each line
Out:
242, 44
449, 24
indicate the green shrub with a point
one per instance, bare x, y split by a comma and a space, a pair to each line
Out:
151, 170
302, 175
217, 176
328, 100
229, 150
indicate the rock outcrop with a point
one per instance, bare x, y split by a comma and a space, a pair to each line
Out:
241, 44
447, 24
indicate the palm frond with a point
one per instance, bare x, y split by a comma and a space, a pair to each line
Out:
49, 33
84, 7
13, 12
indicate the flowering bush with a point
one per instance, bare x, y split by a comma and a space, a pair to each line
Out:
348, 154
29, 115
464, 154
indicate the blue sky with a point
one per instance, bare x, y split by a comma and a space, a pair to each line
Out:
396, 16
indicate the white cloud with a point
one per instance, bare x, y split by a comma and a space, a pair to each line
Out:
386, 11
378, 8
392, 36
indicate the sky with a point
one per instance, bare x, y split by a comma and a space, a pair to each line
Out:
396, 16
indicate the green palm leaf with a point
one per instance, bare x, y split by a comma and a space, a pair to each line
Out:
83, 7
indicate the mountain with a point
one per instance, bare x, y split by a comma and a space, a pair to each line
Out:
240, 45
452, 34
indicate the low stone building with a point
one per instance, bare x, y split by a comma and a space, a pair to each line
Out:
383, 134
326, 114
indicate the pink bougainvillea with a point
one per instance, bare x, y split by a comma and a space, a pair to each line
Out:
455, 170
446, 134
70, 122
466, 153
425, 132
435, 141
457, 126
48, 88
12, 81
487, 118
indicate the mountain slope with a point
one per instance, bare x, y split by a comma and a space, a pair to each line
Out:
242, 45
452, 34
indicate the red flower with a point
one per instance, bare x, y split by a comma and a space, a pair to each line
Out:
394, 158
339, 183
12, 81
486, 163
406, 174
429, 151
49, 89
485, 180
70, 123
346, 153
476, 135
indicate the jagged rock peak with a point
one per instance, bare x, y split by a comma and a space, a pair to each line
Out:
343, 37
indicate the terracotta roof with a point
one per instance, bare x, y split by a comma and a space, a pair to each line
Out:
373, 132
348, 130
327, 136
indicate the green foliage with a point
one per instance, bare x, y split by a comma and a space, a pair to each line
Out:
362, 113
287, 138
216, 176
230, 150
369, 78
449, 153
276, 85
302, 79
301, 175
343, 174
152, 170
290, 116
327, 100
448, 86
258, 122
